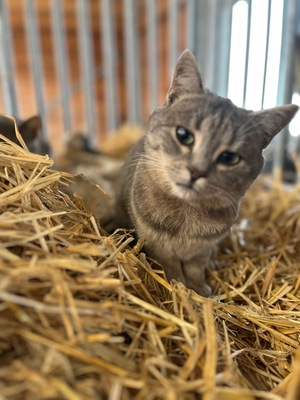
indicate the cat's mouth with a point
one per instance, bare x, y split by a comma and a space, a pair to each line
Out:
190, 189
189, 185
193, 185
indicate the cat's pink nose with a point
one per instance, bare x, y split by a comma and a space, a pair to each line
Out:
196, 174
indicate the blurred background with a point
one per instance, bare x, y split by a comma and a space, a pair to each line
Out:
92, 65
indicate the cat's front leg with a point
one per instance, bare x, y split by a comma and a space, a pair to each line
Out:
190, 272
174, 270
194, 273
171, 264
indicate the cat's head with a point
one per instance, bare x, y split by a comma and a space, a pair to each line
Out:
30, 129
203, 145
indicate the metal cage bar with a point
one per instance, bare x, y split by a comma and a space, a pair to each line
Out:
266, 53
285, 82
153, 60
34, 46
206, 39
132, 64
62, 64
247, 50
7, 62
222, 46
109, 65
173, 34
191, 24
87, 67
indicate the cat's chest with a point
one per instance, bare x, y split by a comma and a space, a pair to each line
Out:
177, 226
181, 245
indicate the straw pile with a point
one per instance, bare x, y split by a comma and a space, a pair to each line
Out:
118, 143
84, 316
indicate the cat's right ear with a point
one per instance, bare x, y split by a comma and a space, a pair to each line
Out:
272, 121
30, 128
186, 79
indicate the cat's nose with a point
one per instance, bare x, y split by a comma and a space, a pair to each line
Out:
196, 174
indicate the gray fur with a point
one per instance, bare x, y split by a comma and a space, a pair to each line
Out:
180, 219
30, 131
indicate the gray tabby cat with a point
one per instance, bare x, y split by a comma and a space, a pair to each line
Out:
30, 131
183, 182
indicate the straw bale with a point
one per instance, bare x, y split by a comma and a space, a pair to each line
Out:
87, 316
118, 143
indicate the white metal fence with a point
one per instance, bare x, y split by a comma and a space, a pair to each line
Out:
234, 42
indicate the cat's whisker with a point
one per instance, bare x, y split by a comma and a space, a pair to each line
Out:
151, 165
150, 162
143, 161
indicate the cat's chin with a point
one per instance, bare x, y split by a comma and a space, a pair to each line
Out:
201, 192
188, 191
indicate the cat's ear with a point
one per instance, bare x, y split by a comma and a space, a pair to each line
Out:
273, 120
30, 128
186, 79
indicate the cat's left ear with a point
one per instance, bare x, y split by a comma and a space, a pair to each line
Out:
186, 79
273, 120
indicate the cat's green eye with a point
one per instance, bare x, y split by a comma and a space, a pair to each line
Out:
229, 158
184, 136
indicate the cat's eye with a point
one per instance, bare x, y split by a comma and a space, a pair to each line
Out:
184, 136
229, 158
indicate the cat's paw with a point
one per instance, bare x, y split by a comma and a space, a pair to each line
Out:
204, 290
